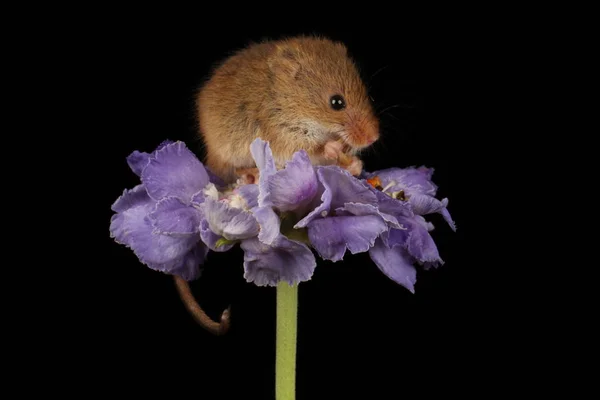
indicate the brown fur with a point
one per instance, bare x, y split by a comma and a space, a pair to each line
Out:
280, 91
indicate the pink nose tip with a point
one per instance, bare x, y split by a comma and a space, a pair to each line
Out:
371, 140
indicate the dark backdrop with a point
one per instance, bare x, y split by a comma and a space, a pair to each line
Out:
360, 334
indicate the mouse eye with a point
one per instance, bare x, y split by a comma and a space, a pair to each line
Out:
337, 102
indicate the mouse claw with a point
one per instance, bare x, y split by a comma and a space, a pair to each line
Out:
355, 167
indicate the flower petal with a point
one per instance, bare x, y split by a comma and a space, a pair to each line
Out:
446, 214
333, 235
424, 204
131, 198
395, 263
367, 209
421, 246
188, 267
412, 180
395, 237
138, 160
231, 223
174, 171
198, 197
270, 224
214, 178
249, 193
210, 238
263, 157
286, 260
340, 187
293, 187
134, 229
391, 206
172, 217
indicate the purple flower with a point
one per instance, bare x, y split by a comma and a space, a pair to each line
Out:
227, 216
283, 196
159, 219
398, 250
415, 186
346, 217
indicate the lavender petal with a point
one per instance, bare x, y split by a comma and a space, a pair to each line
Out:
269, 222
231, 223
174, 218
131, 198
134, 229
249, 193
331, 236
412, 180
263, 157
286, 260
210, 239
293, 187
340, 187
395, 263
174, 171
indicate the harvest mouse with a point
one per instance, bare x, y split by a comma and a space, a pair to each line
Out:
297, 93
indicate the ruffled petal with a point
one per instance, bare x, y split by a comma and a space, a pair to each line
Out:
269, 222
421, 246
293, 187
367, 209
198, 198
249, 193
138, 160
214, 178
210, 238
395, 263
286, 260
340, 187
263, 157
391, 206
446, 215
172, 217
174, 171
331, 236
134, 229
395, 237
131, 198
412, 180
189, 266
320, 207
423, 204
228, 222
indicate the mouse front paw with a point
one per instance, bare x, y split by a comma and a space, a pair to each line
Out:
355, 167
333, 150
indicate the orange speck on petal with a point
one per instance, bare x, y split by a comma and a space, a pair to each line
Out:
375, 182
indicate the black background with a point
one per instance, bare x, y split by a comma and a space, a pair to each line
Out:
360, 334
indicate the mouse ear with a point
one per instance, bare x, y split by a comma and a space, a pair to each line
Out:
284, 60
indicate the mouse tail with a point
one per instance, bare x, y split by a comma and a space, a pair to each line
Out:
214, 327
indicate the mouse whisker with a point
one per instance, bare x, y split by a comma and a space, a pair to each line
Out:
393, 106
375, 74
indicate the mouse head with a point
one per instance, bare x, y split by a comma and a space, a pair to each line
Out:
318, 94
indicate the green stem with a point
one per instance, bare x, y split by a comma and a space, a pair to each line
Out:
285, 360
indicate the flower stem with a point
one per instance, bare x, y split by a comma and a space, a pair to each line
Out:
285, 360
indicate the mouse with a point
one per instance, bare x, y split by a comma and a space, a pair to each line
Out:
298, 93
